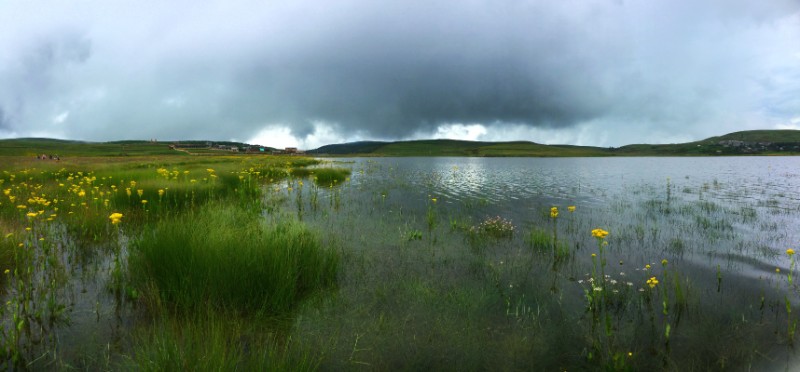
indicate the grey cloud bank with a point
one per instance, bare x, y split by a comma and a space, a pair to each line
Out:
582, 72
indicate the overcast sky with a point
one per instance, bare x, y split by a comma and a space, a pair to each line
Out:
308, 73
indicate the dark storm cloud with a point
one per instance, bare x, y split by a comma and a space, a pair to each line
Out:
392, 76
394, 70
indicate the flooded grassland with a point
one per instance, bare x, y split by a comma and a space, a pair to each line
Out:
401, 263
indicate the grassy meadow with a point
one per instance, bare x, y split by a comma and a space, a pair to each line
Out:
175, 262
176, 248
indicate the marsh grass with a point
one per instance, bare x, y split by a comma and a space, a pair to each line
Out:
541, 240
217, 341
227, 257
323, 177
66, 258
7, 246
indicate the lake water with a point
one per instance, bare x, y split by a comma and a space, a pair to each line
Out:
415, 280
753, 199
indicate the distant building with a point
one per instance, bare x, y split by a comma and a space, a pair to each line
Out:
291, 150
256, 150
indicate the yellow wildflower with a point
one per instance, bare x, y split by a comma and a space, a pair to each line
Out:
664, 262
599, 233
32, 214
160, 192
652, 282
571, 208
144, 201
115, 218
790, 251
554, 212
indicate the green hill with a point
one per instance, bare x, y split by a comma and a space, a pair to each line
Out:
47, 146
444, 147
756, 142
778, 136
361, 147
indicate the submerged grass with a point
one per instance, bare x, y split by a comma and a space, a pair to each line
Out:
216, 342
227, 258
323, 176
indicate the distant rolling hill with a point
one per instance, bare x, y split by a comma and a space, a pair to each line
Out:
756, 142
363, 147
48, 146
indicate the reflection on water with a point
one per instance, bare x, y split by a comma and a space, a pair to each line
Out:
731, 189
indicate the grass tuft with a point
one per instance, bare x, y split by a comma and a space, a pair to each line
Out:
225, 257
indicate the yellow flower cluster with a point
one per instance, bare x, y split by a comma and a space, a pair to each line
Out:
599, 233
39, 200
790, 251
571, 208
652, 282
554, 212
115, 218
